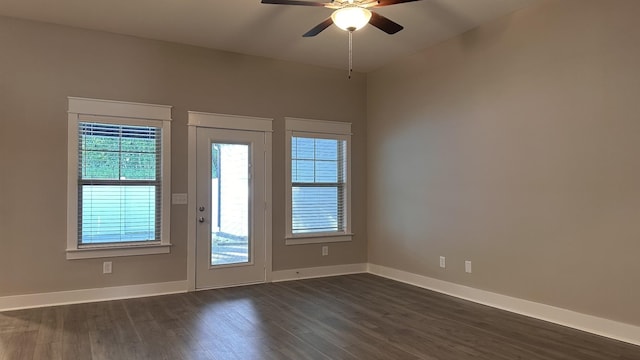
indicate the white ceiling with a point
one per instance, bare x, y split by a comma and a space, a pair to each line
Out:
274, 31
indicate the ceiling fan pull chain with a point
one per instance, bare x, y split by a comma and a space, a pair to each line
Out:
350, 53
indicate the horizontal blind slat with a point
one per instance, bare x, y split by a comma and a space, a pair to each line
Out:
119, 183
318, 183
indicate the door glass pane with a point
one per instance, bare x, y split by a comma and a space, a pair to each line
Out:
229, 203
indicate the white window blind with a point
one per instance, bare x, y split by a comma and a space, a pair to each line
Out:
318, 184
119, 183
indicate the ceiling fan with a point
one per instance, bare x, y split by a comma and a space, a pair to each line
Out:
349, 15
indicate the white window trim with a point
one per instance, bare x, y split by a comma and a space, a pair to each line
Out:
126, 113
316, 128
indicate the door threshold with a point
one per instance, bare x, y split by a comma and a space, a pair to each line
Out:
231, 285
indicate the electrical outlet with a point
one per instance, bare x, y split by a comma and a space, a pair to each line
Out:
443, 262
107, 267
467, 266
325, 250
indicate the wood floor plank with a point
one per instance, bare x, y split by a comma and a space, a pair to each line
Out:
516, 330
51, 326
422, 335
348, 317
48, 351
20, 345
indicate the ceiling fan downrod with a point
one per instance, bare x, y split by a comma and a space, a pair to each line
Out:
350, 53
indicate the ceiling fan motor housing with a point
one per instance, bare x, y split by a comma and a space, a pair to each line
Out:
351, 17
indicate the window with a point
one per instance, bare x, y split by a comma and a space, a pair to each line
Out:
118, 192
318, 181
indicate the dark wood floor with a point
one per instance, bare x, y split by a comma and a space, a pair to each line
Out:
347, 317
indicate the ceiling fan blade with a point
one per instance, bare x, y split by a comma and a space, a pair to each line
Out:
392, 2
319, 28
295, 2
384, 24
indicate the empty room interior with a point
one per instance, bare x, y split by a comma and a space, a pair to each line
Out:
440, 179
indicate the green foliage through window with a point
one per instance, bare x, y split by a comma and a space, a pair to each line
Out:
114, 152
215, 161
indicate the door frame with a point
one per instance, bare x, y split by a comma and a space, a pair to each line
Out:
226, 122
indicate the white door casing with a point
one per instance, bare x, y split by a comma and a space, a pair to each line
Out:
248, 140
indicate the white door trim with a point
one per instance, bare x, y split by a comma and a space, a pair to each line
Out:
229, 122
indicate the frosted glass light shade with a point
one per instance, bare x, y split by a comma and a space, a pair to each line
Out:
351, 18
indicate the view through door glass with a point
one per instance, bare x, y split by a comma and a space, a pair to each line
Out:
230, 204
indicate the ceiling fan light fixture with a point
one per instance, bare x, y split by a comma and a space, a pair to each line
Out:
351, 18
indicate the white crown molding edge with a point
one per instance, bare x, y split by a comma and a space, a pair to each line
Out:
18, 302
588, 323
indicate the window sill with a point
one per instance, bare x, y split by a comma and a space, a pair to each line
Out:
317, 239
116, 251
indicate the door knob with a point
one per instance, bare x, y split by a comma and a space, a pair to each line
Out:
201, 208
201, 219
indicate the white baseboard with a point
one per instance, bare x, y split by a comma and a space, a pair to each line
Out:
18, 302
316, 272
90, 295
592, 324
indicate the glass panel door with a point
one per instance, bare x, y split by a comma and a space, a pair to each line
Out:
230, 208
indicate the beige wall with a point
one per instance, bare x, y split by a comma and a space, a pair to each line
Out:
40, 65
516, 146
